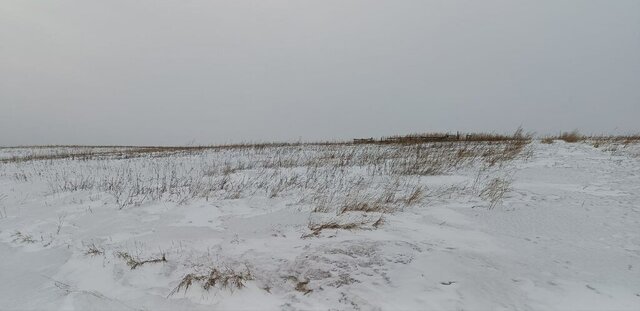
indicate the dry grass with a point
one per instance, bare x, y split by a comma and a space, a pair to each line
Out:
303, 287
571, 137
367, 207
316, 227
617, 145
609, 140
134, 263
93, 250
84, 153
222, 278
495, 190
595, 140
415, 196
3, 212
547, 140
419, 138
20, 237
182, 174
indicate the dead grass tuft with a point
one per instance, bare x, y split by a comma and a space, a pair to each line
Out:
302, 286
571, 137
495, 190
547, 140
136, 262
415, 196
367, 207
23, 238
93, 250
3, 212
335, 224
226, 278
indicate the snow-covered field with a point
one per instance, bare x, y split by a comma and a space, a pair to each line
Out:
442, 226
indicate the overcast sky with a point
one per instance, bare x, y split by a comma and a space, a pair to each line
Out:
186, 71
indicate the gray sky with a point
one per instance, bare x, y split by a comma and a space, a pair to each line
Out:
186, 71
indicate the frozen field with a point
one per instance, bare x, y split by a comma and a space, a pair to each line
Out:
442, 226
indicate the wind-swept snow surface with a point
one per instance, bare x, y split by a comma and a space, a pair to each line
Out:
362, 227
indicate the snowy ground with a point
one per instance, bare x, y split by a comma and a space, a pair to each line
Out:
565, 235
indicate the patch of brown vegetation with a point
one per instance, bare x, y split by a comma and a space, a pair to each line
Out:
136, 262
571, 137
226, 278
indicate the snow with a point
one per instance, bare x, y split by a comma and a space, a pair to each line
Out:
566, 236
